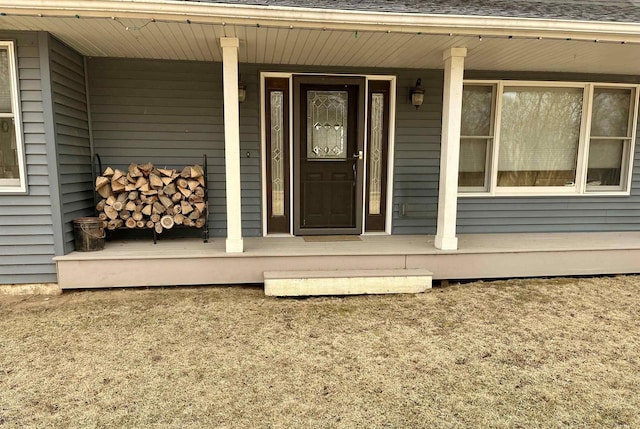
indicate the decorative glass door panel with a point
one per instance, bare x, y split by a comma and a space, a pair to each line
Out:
327, 124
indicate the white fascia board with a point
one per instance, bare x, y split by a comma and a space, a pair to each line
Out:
329, 19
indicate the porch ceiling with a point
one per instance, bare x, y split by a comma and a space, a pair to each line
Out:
142, 38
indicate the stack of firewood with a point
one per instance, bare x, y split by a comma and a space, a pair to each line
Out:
150, 197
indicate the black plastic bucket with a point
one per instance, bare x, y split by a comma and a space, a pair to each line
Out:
89, 234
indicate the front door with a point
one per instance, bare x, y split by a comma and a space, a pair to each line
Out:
328, 154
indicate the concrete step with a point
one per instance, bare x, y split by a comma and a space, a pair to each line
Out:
346, 282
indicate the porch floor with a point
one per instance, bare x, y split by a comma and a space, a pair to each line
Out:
192, 262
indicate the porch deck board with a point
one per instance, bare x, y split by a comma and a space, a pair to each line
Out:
192, 262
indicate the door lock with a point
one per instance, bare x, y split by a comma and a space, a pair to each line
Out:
358, 155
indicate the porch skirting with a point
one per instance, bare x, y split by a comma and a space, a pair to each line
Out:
480, 256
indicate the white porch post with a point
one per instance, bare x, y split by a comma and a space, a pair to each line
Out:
230, 46
450, 148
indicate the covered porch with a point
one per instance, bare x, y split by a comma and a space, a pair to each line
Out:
421, 225
192, 262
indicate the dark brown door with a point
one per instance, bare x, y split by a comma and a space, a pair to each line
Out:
328, 145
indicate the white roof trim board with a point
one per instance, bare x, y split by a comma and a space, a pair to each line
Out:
354, 20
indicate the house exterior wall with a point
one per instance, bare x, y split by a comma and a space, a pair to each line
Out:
71, 125
554, 213
27, 229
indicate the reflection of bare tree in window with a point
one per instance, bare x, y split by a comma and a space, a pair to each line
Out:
475, 133
539, 136
609, 133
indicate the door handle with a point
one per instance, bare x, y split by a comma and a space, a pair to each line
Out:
358, 155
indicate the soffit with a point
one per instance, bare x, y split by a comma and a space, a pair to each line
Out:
133, 38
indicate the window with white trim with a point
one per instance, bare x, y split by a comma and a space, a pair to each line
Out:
546, 138
12, 171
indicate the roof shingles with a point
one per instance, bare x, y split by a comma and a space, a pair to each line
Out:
575, 10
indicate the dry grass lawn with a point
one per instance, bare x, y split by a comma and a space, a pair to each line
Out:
524, 353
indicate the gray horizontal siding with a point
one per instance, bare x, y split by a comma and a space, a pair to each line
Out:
553, 214
26, 227
72, 136
417, 155
165, 112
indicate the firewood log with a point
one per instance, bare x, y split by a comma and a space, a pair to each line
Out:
114, 224
130, 223
125, 214
195, 214
188, 222
176, 197
137, 216
105, 190
101, 204
108, 172
199, 192
166, 172
158, 227
110, 200
122, 198
158, 208
101, 181
102, 216
186, 172
133, 195
134, 171
117, 174
200, 206
148, 209
140, 224
170, 189
130, 206
178, 218
146, 168
155, 181
165, 201
196, 171
166, 180
141, 182
150, 224
185, 207
193, 184
201, 180
167, 222
130, 178
111, 212
199, 223
117, 186
185, 191
129, 187
193, 198
150, 192
182, 183
117, 206
155, 218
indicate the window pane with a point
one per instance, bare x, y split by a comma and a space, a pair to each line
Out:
476, 110
8, 150
605, 162
473, 160
539, 136
277, 152
610, 116
5, 82
327, 124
